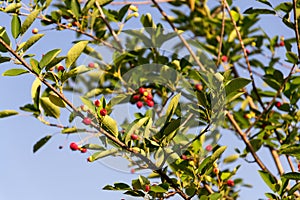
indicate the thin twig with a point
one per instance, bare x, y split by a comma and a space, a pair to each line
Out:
222, 34
277, 160
296, 26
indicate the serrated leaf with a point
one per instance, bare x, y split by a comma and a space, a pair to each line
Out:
110, 125
291, 175
13, 7
56, 100
14, 72
31, 41
7, 113
292, 57
15, 25
268, 179
252, 10
49, 108
29, 20
236, 84
48, 57
75, 52
41, 143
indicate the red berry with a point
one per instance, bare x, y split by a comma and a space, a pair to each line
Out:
74, 146
134, 137
199, 87
184, 157
97, 103
83, 150
136, 97
87, 121
149, 96
139, 104
150, 103
216, 170
208, 148
142, 90
230, 182
247, 51
60, 68
103, 112
132, 171
298, 166
278, 104
224, 58
91, 65
147, 188
35, 31
281, 43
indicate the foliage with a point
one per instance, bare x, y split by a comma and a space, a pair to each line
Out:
186, 97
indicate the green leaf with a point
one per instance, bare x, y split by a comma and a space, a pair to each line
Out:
265, 2
31, 41
41, 143
14, 72
94, 147
231, 158
104, 2
35, 93
88, 103
293, 150
236, 84
15, 25
4, 59
70, 130
29, 20
13, 7
292, 57
75, 52
56, 100
292, 175
217, 154
49, 108
251, 10
158, 189
269, 180
48, 57
4, 36
103, 154
75, 8
172, 106
110, 125
294, 189
7, 113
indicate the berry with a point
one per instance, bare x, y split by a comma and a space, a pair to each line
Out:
150, 103
184, 157
74, 146
136, 97
247, 51
103, 112
83, 150
147, 188
224, 58
87, 121
134, 137
149, 96
230, 183
60, 147
139, 104
247, 116
298, 166
35, 31
278, 104
132, 171
91, 65
281, 43
84, 108
216, 170
97, 103
199, 87
208, 148
60, 68
142, 90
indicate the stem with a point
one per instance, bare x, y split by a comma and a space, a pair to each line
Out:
296, 26
222, 34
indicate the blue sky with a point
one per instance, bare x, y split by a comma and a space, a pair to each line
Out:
61, 174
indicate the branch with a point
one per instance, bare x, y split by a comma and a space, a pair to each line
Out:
296, 26
222, 34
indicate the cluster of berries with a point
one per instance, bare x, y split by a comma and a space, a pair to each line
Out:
75, 147
143, 97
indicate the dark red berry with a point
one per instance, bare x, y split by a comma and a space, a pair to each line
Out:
139, 104
87, 121
83, 150
136, 97
134, 137
60, 68
150, 103
278, 104
103, 112
91, 65
247, 51
224, 58
74, 146
149, 96
230, 183
142, 90
198, 87
208, 148
97, 103
147, 188
281, 43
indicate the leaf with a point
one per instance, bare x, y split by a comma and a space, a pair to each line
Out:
265, 2
294, 189
31, 41
56, 100
75, 52
35, 93
29, 20
7, 113
236, 84
251, 10
158, 189
14, 72
41, 143
49, 108
15, 26
292, 175
172, 106
103, 154
4, 59
292, 57
75, 8
293, 150
269, 180
48, 57
88, 103
13, 7
231, 158
4, 36
70, 130
94, 147
104, 2
110, 125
